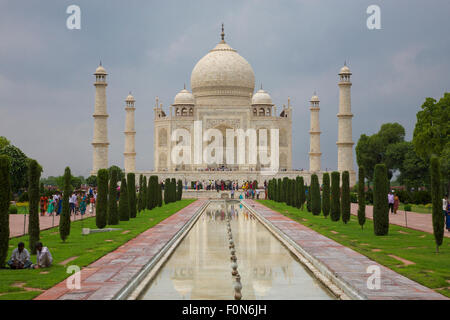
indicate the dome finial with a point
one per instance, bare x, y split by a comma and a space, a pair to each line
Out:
223, 33
100, 63
185, 86
261, 86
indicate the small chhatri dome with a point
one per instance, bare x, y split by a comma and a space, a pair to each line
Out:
184, 97
345, 70
261, 97
100, 70
314, 98
130, 98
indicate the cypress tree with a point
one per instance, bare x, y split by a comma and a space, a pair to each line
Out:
148, 195
64, 222
143, 196
139, 202
179, 190
345, 197
326, 194
315, 195
101, 208
380, 200
155, 191
335, 196
285, 194
131, 189
294, 193
34, 174
436, 198
166, 191
5, 198
174, 190
160, 202
301, 193
288, 192
308, 198
113, 213
361, 198
279, 190
124, 206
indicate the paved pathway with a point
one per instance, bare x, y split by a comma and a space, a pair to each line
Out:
103, 279
16, 222
417, 221
349, 265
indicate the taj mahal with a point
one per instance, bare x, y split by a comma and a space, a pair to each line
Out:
223, 100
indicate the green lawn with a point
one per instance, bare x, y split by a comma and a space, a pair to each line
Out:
87, 249
419, 208
430, 269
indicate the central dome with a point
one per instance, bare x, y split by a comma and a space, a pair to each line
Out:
222, 72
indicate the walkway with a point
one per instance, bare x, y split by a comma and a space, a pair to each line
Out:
345, 263
103, 279
416, 221
17, 222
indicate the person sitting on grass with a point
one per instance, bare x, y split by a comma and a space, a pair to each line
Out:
20, 258
44, 258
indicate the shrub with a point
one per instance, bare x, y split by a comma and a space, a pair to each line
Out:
308, 198
380, 201
345, 197
315, 195
179, 190
64, 224
160, 202
326, 194
353, 197
143, 193
13, 209
301, 193
131, 190
124, 206
139, 203
279, 189
369, 196
166, 191
24, 197
173, 193
5, 198
335, 196
113, 213
34, 174
101, 208
437, 216
361, 198
407, 207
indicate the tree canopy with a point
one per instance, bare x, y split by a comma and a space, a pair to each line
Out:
18, 168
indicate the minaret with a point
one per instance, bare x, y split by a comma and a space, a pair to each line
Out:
314, 134
345, 143
130, 133
100, 141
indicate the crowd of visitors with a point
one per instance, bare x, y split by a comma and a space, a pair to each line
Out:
79, 201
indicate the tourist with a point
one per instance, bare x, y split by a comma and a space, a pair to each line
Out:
20, 258
44, 258
91, 206
232, 193
43, 202
59, 207
391, 202
50, 206
396, 203
72, 200
446, 212
83, 205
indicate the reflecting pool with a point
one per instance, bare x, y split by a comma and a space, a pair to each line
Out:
200, 267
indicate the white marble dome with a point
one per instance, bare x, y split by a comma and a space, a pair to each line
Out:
262, 97
223, 71
184, 97
315, 98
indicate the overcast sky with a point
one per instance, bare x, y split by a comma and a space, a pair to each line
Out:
150, 47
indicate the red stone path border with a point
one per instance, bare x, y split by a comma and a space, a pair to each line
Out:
347, 264
16, 222
103, 279
416, 221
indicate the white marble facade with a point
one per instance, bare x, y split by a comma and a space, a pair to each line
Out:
223, 97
